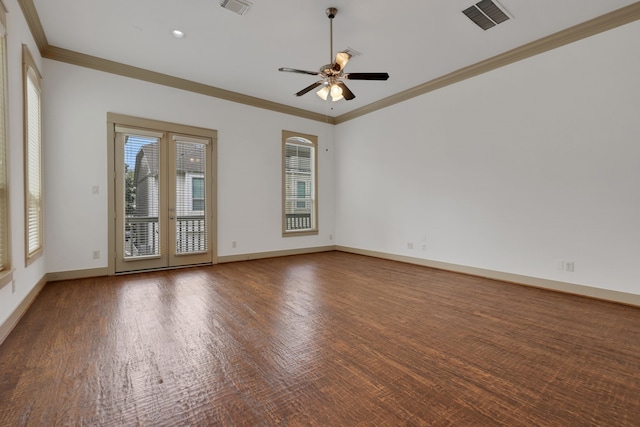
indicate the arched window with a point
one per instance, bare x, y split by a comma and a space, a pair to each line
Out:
299, 184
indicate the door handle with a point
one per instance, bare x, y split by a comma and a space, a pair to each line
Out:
172, 217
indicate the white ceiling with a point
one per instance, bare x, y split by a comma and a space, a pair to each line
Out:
414, 41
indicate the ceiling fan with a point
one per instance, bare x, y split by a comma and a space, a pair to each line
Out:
332, 74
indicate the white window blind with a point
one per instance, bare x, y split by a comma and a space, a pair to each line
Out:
192, 227
4, 223
33, 160
140, 194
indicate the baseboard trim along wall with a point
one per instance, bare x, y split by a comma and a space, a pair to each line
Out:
273, 254
567, 288
104, 271
77, 274
7, 326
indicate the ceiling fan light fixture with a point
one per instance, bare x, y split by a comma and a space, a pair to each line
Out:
332, 90
336, 92
323, 93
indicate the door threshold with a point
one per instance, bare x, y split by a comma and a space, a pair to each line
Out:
176, 267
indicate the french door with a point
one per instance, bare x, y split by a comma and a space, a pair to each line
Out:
164, 189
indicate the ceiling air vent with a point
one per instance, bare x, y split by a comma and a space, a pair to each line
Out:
238, 6
486, 14
352, 52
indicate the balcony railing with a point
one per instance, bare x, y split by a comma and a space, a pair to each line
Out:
142, 235
191, 233
298, 221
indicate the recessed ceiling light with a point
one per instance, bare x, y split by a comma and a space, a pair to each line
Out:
178, 34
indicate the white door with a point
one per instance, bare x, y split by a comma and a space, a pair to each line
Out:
163, 204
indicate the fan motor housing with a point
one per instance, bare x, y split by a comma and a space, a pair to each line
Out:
328, 70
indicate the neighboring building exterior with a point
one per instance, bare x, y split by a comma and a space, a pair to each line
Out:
189, 201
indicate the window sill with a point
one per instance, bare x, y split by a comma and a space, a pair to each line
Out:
5, 278
34, 256
300, 233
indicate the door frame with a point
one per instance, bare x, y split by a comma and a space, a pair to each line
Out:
115, 119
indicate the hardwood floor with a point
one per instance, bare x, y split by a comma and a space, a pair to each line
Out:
329, 339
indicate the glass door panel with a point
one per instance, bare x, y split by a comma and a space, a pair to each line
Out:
191, 210
139, 200
141, 226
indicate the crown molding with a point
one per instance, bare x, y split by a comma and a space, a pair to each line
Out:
33, 21
75, 58
100, 64
586, 29
581, 31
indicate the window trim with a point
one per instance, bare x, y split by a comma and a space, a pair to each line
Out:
313, 142
3, 17
6, 271
29, 64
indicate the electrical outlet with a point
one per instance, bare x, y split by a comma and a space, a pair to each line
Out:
95, 189
234, 244
96, 254
330, 236
424, 248
409, 245
568, 266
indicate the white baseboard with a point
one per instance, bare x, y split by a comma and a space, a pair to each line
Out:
273, 254
77, 274
568, 288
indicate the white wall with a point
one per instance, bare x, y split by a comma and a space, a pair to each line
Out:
24, 278
510, 171
76, 102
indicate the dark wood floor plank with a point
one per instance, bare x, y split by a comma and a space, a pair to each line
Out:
324, 339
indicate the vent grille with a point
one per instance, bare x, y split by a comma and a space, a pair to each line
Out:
352, 52
238, 6
486, 14
492, 11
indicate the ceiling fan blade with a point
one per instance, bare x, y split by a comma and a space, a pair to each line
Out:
366, 76
348, 95
310, 88
293, 70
